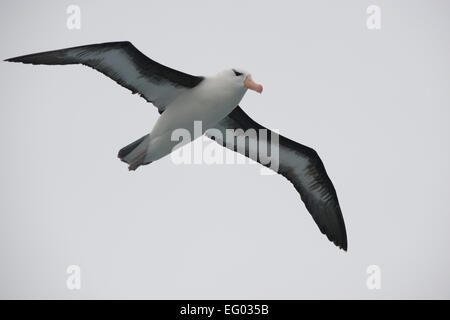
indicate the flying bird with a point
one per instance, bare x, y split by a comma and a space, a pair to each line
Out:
182, 99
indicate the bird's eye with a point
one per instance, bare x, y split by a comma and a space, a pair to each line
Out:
237, 73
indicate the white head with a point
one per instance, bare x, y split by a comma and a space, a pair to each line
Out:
241, 79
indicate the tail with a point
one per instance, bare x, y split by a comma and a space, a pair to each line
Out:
134, 154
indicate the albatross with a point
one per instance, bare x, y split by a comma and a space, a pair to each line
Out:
182, 99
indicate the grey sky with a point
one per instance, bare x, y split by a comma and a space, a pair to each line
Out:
373, 104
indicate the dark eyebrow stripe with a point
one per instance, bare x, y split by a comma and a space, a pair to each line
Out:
237, 73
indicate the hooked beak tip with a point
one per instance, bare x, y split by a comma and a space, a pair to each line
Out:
250, 84
259, 89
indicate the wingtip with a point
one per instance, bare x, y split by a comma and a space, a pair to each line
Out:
340, 243
342, 246
14, 59
339, 240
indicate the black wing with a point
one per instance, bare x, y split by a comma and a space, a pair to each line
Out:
126, 65
301, 165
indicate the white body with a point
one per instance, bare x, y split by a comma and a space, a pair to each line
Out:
212, 100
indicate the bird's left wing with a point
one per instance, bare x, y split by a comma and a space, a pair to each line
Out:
126, 65
300, 164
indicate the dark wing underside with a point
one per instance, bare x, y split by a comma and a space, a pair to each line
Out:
302, 166
126, 65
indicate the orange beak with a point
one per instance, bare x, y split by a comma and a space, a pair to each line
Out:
252, 85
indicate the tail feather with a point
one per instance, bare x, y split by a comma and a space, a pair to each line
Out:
127, 149
134, 154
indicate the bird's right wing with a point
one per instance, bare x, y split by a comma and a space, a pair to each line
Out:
126, 65
300, 164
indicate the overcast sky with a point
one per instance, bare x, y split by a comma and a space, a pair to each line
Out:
373, 103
